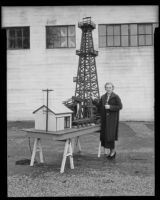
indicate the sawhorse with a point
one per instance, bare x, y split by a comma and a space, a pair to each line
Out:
68, 151
69, 136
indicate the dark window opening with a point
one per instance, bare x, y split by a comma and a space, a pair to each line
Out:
60, 37
66, 122
18, 38
126, 35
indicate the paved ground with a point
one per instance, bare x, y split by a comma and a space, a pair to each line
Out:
131, 173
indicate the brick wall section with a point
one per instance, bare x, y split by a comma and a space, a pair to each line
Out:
30, 71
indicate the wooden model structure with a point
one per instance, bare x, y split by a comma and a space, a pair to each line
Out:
59, 118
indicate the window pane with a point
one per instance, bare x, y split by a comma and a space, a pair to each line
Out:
55, 31
109, 40
102, 29
133, 29
117, 30
50, 41
141, 29
141, 40
18, 32
102, 41
71, 42
50, 45
25, 43
11, 43
124, 29
124, 40
63, 31
52, 36
148, 39
148, 29
133, 40
68, 122
19, 43
63, 41
12, 33
71, 30
109, 30
116, 40
57, 42
26, 32
49, 31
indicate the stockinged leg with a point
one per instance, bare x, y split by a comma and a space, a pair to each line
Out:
78, 143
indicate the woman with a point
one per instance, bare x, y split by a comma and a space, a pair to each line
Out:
109, 106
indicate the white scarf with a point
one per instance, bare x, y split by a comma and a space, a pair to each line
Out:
108, 96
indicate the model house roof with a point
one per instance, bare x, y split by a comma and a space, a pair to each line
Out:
56, 109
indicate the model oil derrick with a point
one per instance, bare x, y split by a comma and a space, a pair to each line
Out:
86, 80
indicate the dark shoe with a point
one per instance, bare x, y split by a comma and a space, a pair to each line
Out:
112, 156
107, 155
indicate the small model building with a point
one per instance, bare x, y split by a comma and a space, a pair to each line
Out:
58, 118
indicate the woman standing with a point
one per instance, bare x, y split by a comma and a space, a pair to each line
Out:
109, 106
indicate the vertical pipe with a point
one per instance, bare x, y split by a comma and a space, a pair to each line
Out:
47, 113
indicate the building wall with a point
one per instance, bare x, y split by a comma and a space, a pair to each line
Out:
40, 120
29, 71
51, 122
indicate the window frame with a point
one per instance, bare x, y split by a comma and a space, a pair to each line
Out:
138, 34
22, 37
153, 26
61, 26
67, 121
124, 35
130, 35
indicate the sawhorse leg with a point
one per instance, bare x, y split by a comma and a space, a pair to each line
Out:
67, 152
76, 141
99, 149
37, 147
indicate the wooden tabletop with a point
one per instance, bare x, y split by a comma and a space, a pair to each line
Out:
63, 134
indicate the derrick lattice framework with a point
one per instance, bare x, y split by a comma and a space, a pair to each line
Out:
86, 80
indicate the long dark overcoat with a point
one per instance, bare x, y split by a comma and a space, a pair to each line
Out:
109, 118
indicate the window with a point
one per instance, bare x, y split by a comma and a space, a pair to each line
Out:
113, 35
60, 37
66, 122
18, 38
126, 35
145, 34
133, 35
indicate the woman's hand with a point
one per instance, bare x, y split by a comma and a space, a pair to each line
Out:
107, 106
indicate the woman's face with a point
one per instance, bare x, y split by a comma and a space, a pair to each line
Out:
109, 88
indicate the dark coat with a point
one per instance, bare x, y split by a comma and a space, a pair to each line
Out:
109, 118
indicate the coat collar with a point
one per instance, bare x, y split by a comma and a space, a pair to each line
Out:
111, 96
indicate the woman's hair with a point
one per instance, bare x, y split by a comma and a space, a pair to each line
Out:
109, 83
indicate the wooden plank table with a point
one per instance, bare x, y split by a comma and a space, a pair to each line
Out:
67, 135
